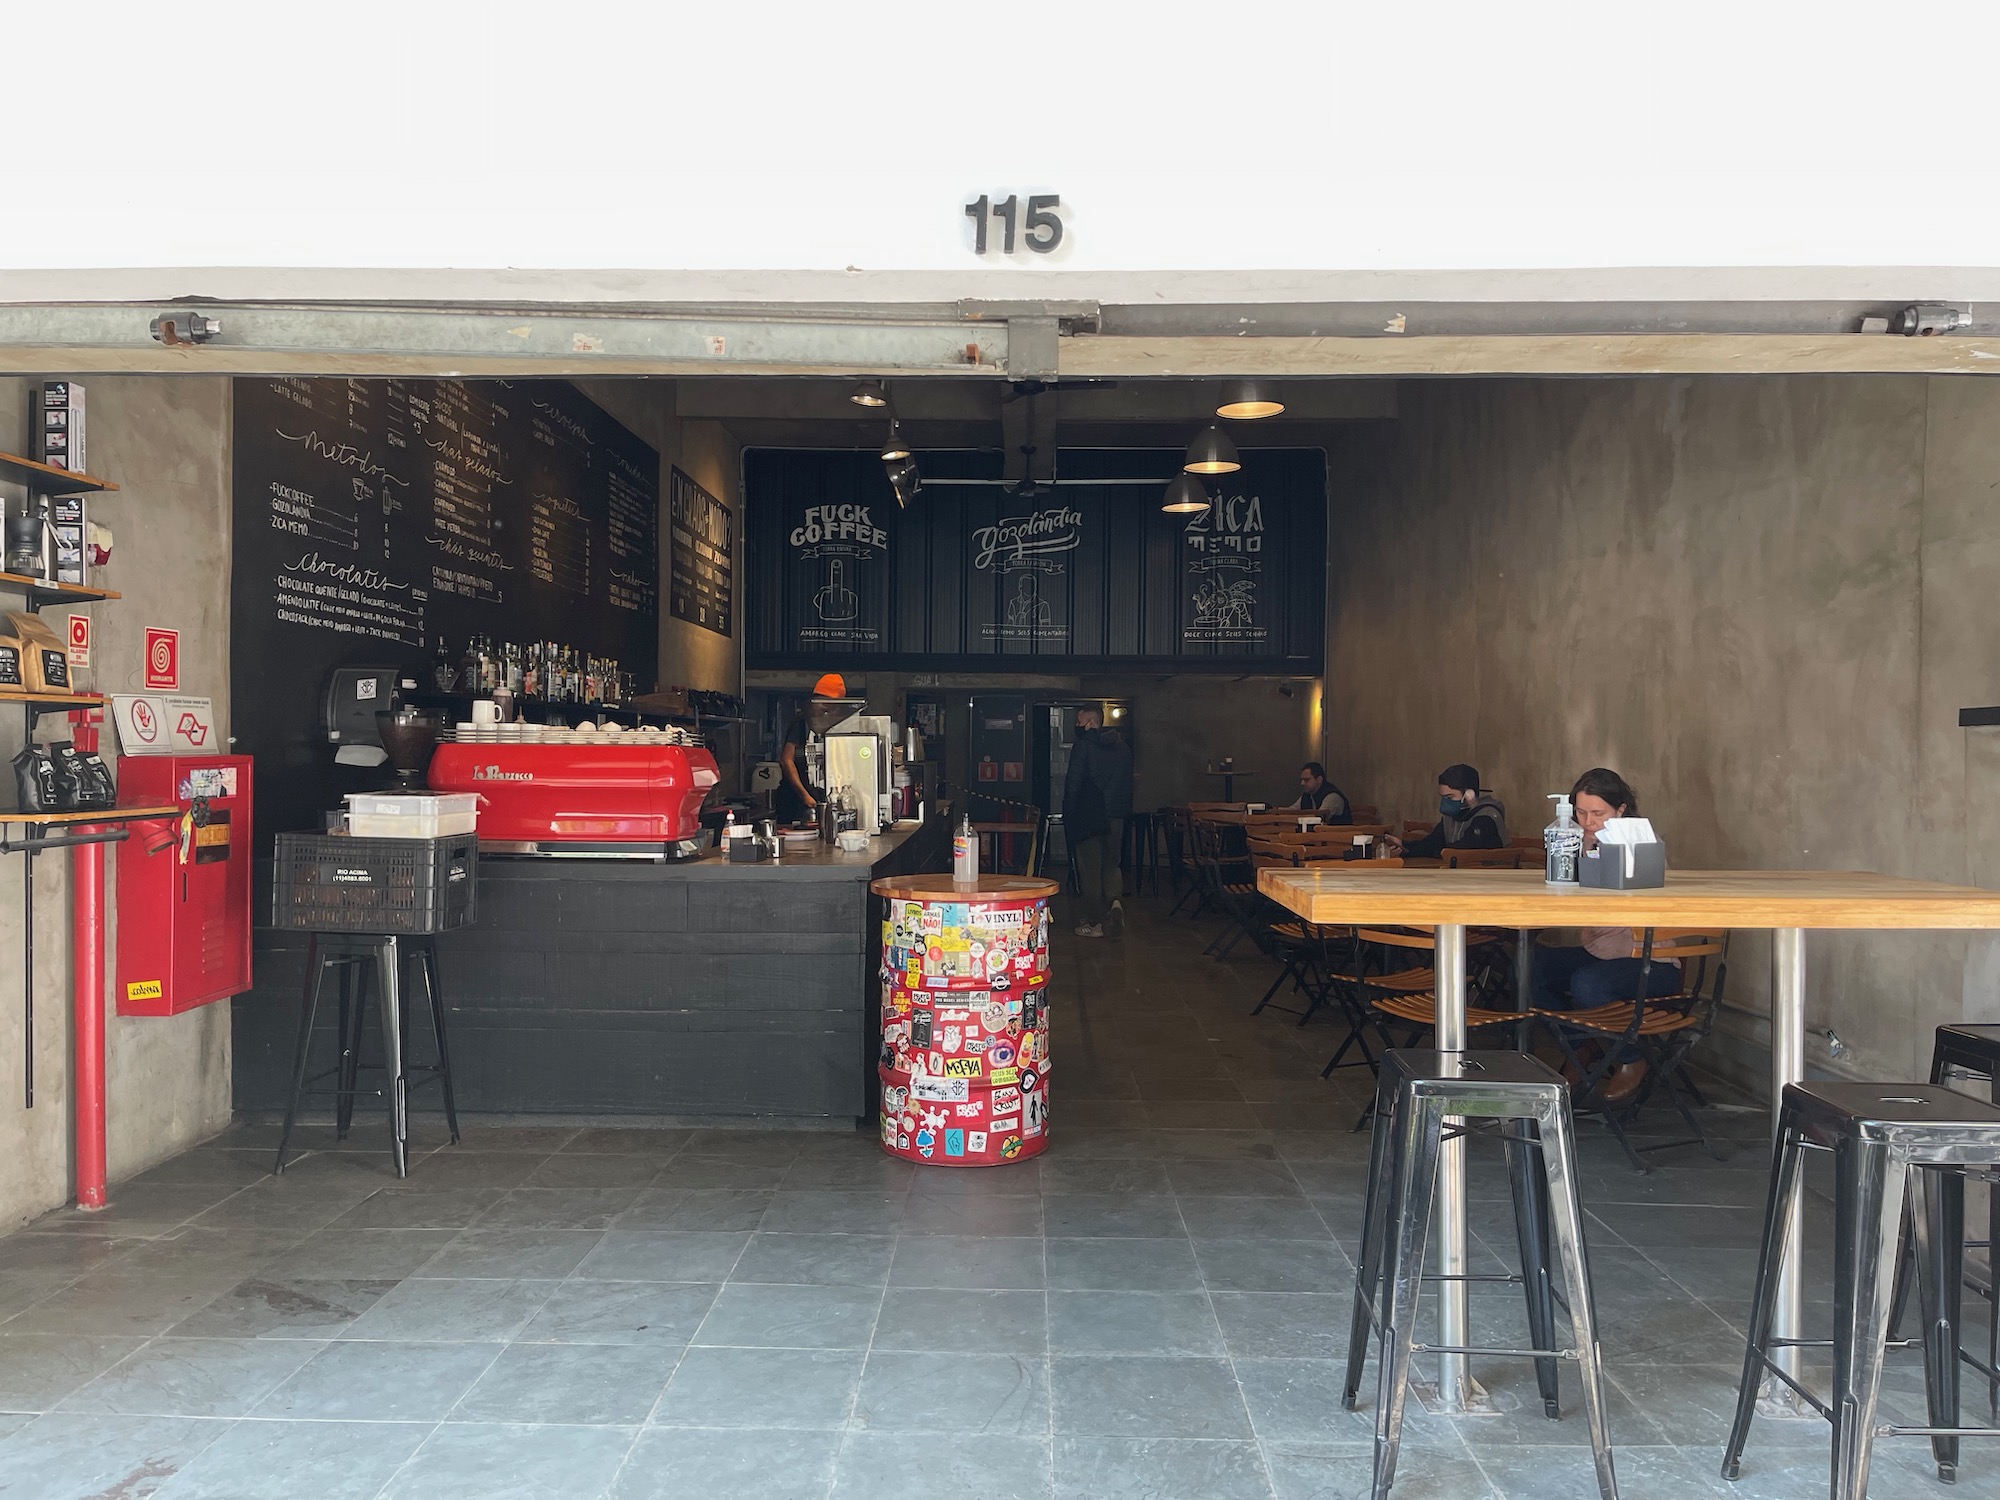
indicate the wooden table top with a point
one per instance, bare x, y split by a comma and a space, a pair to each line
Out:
1345, 893
944, 888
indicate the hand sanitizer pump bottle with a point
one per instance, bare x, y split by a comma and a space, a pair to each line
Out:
1562, 842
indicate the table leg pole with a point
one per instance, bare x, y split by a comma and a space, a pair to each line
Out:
1454, 1323
1788, 1065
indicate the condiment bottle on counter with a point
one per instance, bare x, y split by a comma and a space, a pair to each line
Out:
1562, 843
965, 854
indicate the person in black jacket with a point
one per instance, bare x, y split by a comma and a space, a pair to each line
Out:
1097, 799
1317, 794
1468, 818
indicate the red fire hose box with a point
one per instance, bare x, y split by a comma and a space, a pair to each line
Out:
184, 884
965, 1019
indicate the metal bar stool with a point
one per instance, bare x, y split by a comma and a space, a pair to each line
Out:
1141, 852
1974, 1050
1417, 1092
364, 961
1887, 1140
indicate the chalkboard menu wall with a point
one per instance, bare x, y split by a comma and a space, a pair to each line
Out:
1086, 574
375, 517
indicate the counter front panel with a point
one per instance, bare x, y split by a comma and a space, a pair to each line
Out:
706, 989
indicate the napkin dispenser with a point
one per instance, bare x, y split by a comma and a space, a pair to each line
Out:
1629, 857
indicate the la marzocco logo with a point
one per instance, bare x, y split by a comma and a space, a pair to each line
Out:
494, 773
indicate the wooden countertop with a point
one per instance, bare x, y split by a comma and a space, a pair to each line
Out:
1352, 892
98, 815
944, 888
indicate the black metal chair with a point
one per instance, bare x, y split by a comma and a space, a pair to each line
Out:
1888, 1140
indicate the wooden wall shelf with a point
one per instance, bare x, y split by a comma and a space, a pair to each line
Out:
47, 479
54, 700
42, 591
99, 815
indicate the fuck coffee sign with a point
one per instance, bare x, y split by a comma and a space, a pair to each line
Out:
838, 551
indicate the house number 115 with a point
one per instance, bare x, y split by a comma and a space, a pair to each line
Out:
1042, 226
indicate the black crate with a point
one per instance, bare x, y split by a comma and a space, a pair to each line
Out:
329, 882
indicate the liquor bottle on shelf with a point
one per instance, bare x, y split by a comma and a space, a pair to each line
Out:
444, 670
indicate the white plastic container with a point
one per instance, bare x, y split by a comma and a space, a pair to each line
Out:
412, 815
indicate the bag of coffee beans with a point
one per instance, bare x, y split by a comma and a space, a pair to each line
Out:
44, 660
35, 781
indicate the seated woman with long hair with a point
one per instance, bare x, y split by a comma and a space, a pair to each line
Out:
1603, 970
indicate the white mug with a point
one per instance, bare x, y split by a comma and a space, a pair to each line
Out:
485, 711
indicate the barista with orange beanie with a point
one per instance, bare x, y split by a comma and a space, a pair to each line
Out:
796, 800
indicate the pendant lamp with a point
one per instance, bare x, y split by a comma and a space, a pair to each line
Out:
1211, 452
1186, 495
893, 447
1246, 400
869, 393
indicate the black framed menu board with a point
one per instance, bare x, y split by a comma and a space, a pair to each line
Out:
374, 519
701, 536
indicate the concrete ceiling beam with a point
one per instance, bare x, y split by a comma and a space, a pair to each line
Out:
1635, 354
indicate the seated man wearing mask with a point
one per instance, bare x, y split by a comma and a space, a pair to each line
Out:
1317, 794
1468, 818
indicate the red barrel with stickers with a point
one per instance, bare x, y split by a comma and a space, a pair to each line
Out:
965, 1019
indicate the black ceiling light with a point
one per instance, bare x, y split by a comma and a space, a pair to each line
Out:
905, 481
1211, 452
1186, 495
870, 393
1247, 400
893, 447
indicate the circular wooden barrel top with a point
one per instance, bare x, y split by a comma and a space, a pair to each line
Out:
944, 888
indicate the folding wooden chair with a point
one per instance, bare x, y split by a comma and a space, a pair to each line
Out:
1663, 1030
1406, 998
1229, 889
1295, 944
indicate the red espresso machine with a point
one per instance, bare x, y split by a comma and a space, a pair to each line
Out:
607, 795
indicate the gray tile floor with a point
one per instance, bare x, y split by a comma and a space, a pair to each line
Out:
1155, 1308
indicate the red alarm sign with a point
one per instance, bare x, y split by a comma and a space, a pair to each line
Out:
163, 659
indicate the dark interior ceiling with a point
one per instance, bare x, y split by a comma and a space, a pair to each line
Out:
962, 413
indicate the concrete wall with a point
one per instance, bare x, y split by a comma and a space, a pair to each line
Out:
1763, 600
690, 656
166, 443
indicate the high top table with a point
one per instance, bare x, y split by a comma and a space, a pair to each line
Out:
1786, 902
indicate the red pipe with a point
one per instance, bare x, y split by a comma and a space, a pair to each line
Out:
87, 916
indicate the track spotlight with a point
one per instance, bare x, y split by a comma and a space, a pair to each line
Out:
1185, 496
905, 481
894, 448
1211, 452
1246, 400
870, 393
